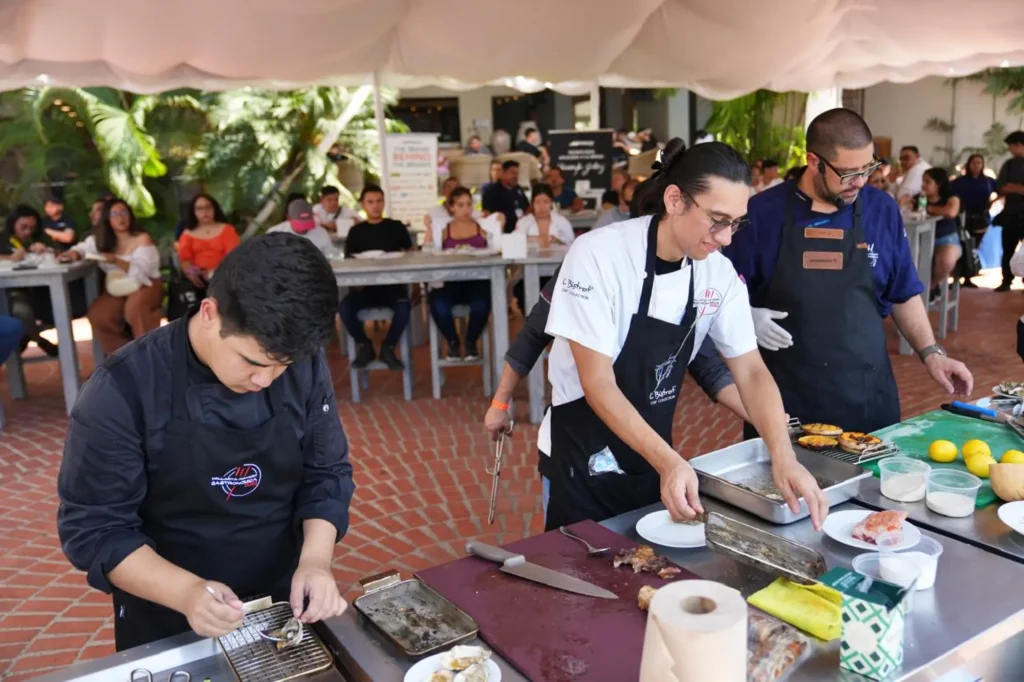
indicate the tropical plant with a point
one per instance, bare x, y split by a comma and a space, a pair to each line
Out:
763, 125
1005, 82
262, 143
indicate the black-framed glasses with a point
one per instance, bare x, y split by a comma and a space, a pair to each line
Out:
847, 177
717, 224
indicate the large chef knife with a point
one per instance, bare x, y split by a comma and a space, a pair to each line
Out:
517, 565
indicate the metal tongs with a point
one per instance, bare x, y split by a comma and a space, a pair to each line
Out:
288, 635
495, 472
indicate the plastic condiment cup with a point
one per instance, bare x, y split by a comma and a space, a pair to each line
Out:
904, 479
891, 568
952, 493
925, 554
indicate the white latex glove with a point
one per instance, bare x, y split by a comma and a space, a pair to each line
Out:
770, 336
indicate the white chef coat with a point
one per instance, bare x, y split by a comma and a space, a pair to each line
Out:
599, 291
560, 229
344, 221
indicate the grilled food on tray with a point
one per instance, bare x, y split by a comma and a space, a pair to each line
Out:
643, 558
878, 523
821, 430
644, 597
856, 442
817, 442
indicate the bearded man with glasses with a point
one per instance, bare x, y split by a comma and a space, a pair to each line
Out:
826, 260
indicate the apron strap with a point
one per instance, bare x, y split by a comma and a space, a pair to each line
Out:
858, 228
179, 368
652, 251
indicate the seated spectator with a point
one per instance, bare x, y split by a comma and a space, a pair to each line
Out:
133, 290
58, 227
530, 142
494, 175
376, 233
936, 188
207, 238
913, 171
620, 176
302, 223
621, 211
462, 232
11, 331
331, 215
647, 140
609, 201
439, 214
475, 147
564, 196
542, 225
878, 180
506, 196
770, 174
976, 191
21, 237
621, 150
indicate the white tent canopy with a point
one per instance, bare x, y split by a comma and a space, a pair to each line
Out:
717, 48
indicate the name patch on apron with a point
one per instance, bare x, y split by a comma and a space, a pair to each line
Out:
823, 260
822, 233
862, 245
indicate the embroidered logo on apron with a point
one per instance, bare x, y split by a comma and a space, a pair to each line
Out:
240, 481
872, 255
708, 302
662, 372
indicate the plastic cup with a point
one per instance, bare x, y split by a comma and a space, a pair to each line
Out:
894, 569
925, 554
904, 479
952, 493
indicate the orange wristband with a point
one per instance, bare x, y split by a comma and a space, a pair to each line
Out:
499, 406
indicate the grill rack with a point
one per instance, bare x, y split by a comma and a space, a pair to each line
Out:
869, 455
254, 659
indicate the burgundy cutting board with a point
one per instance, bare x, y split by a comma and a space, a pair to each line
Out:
550, 635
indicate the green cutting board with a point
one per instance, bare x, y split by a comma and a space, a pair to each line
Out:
914, 435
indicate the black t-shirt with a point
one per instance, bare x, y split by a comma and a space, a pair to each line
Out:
387, 235
525, 146
500, 199
945, 226
61, 224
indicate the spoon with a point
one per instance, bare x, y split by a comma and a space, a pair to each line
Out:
291, 631
591, 550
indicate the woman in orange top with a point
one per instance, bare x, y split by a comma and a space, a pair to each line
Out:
207, 238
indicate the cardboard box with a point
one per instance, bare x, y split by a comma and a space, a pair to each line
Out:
873, 615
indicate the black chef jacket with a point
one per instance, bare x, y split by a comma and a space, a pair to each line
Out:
123, 411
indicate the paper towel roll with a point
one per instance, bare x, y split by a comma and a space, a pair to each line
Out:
696, 632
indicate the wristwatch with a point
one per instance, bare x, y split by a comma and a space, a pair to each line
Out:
934, 349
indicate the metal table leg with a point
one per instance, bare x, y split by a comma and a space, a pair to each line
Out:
535, 380
69, 371
499, 304
15, 367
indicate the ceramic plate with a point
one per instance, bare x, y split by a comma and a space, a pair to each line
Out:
373, 253
1012, 514
659, 528
839, 526
422, 671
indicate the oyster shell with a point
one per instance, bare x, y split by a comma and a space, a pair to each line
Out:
463, 656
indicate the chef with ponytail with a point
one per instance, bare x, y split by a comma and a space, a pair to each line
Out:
631, 307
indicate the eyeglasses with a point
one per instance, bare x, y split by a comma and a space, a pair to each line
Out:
119, 213
717, 224
847, 178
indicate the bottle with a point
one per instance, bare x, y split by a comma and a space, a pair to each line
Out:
922, 203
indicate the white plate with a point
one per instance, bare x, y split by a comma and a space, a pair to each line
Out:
375, 254
839, 526
1012, 514
659, 528
422, 671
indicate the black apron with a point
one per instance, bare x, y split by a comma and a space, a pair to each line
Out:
649, 371
220, 504
837, 371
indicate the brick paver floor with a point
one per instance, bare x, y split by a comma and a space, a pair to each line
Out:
419, 468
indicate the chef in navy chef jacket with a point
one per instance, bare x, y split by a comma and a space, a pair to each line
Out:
826, 260
631, 309
205, 462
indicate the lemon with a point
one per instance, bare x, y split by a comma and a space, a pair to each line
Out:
1012, 457
942, 451
979, 464
975, 447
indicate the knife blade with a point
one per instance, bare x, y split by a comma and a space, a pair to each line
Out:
517, 565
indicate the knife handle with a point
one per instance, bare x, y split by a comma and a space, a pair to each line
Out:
974, 408
495, 554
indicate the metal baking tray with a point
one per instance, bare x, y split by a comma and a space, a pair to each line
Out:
412, 616
763, 550
254, 659
741, 475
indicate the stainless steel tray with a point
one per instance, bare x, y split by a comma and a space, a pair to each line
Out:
763, 550
733, 474
411, 615
254, 659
